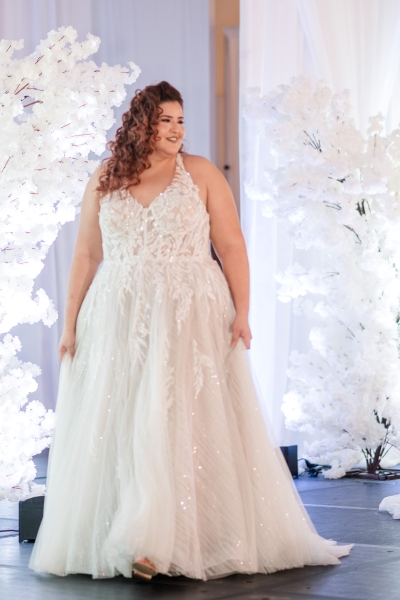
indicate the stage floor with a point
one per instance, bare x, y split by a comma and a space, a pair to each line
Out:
344, 510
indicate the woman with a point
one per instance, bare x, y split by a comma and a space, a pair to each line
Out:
160, 460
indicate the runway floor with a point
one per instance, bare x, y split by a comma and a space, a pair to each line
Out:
344, 510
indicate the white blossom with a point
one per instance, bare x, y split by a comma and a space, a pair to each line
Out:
55, 109
338, 192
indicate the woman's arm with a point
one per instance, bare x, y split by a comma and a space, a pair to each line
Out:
88, 254
227, 239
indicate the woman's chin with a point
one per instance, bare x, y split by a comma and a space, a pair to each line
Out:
172, 151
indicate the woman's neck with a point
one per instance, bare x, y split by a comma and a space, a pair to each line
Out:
161, 160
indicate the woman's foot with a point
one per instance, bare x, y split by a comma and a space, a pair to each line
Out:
143, 569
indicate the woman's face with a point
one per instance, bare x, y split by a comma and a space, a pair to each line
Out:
170, 129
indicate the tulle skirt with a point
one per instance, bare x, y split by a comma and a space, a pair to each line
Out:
160, 447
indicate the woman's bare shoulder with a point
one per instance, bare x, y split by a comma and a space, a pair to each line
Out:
206, 176
98, 172
198, 165
94, 180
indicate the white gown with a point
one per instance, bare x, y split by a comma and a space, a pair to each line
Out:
160, 449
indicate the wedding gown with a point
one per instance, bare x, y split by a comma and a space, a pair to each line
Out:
160, 448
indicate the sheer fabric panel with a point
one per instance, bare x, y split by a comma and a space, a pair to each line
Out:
355, 45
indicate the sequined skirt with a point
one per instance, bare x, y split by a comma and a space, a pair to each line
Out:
160, 447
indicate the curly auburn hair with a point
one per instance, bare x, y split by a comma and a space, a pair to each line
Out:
134, 140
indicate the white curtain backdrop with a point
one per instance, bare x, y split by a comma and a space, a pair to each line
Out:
168, 39
352, 44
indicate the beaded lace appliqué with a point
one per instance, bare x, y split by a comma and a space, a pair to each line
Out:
199, 362
155, 248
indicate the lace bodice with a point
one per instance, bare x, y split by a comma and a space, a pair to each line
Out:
175, 225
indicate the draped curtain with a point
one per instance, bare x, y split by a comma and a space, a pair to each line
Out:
352, 44
168, 39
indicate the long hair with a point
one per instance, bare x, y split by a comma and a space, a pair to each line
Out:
134, 140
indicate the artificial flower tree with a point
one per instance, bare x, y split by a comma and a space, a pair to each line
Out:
55, 109
338, 193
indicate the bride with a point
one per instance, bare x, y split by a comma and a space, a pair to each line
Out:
161, 461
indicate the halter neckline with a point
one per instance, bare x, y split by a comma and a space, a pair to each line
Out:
179, 167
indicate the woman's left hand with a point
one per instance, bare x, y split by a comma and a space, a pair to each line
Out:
241, 329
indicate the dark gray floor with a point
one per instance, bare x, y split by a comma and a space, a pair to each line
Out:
345, 510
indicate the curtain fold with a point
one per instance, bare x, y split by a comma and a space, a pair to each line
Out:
355, 45
352, 44
269, 55
168, 39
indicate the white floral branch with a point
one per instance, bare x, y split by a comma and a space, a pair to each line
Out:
55, 109
338, 192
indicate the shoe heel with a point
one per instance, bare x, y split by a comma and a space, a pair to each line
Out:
143, 571
140, 575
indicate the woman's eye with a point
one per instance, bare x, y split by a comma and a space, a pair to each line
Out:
165, 120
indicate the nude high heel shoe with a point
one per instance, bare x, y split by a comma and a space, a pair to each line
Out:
143, 569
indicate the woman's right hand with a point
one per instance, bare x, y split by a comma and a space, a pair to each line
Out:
67, 343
